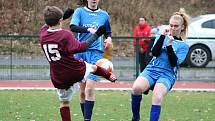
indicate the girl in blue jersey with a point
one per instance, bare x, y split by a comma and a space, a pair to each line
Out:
85, 21
59, 45
169, 51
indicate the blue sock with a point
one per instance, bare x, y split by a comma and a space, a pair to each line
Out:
88, 109
135, 106
155, 112
82, 108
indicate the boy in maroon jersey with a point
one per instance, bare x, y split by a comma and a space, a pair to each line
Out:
66, 71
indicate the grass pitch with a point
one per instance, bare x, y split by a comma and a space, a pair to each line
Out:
22, 105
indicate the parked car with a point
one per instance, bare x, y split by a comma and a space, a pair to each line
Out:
201, 39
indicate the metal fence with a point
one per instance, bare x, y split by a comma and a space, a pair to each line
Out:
22, 58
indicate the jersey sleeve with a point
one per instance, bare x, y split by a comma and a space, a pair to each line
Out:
76, 17
171, 56
43, 28
156, 49
108, 27
182, 53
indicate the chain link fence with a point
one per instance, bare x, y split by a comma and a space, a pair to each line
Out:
22, 58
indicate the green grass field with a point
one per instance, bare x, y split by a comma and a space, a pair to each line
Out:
110, 106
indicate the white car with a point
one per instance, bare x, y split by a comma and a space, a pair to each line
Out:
201, 39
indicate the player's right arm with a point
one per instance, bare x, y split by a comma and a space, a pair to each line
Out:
75, 46
74, 24
156, 49
101, 30
78, 29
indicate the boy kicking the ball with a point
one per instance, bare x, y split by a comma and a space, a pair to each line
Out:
66, 71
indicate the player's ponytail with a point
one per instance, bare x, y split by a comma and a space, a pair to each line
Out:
181, 14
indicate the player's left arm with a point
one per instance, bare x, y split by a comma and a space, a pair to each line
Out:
172, 56
107, 35
177, 58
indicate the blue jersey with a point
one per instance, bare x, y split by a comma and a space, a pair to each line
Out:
91, 19
161, 63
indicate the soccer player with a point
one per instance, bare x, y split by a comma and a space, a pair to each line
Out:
66, 71
169, 51
85, 21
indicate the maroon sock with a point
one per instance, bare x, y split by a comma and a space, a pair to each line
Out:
65, 113
102, 72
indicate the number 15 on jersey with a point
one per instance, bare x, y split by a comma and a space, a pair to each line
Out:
51, 52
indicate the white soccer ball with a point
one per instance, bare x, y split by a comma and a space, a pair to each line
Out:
105, 63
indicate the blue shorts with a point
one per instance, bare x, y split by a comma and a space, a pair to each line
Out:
90, 56
158, 77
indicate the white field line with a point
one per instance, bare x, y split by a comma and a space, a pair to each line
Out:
108, 89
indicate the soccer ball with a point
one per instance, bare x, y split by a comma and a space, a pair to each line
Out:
105, 63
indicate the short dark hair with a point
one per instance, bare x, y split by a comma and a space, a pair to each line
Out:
52, 15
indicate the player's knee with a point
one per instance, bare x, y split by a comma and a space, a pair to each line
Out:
157, 98
137, 90
94, 67
89, 92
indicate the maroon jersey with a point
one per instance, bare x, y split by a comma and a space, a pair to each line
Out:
59, 45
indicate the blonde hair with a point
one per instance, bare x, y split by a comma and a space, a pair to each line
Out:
184, 17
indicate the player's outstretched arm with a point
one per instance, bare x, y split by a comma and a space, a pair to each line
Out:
101, 30
68, 13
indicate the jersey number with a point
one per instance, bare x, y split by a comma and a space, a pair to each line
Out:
51, 48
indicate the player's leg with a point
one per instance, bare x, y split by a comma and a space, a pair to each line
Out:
65, 111
83, 84
158, 94
140, 85
88, 89
162, 86
65, 96
91, 57
89, 99
82, 96
104, 73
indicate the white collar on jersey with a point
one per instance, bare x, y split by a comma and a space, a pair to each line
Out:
54, 30
91, 10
